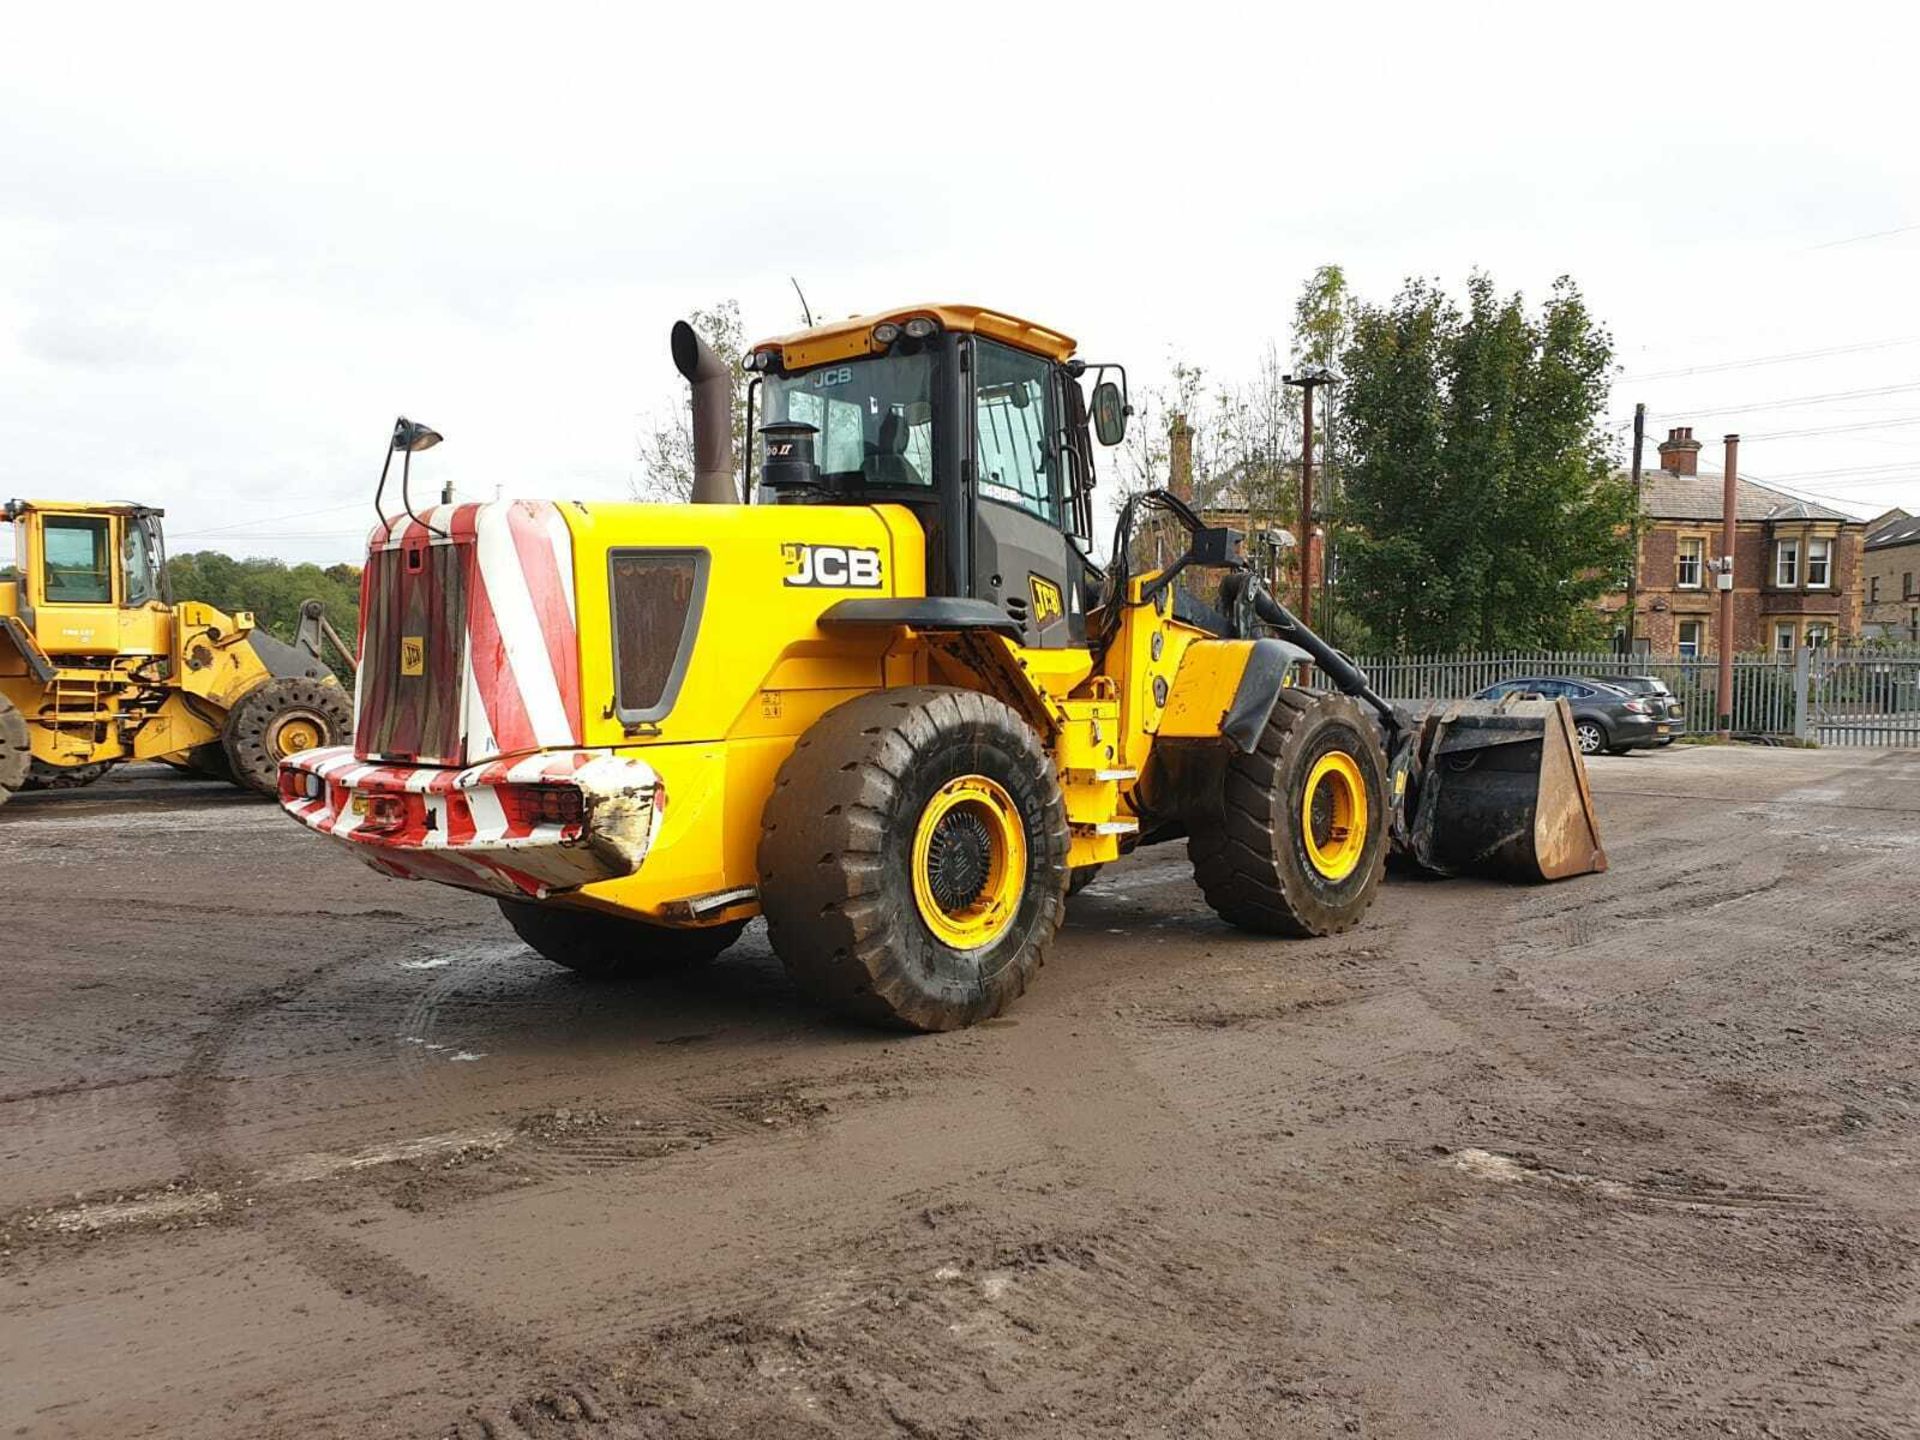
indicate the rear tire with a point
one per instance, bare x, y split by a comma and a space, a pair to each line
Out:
16, 750
1082, 878
1270, 863
282, 718
609, 948
42, 776
913, 864
1590, 736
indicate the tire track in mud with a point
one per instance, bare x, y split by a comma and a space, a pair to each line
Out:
196, 1115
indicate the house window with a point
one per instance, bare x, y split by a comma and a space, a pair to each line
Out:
1819, 563
1692, 632
1906, 585
1818, 635
1690, 555
1783, 637
1786, 564
1873, 589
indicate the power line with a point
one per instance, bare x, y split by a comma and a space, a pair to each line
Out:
1834, 429
1781, 359
1789, 402
275, 519
1871, 235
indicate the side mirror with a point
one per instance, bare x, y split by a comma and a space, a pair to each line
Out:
1110, 413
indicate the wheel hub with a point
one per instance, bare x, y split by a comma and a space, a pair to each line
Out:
969, 862
1333, 815
959, 857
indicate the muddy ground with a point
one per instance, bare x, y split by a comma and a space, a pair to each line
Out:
287, 1149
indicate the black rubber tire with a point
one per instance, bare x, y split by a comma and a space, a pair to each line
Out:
836, 854
1082, 878
609, 948
251, 729
16, 749
209, 760
1587, 746
42, 776
1252, 864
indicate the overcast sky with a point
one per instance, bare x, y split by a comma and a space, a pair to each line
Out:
234, 243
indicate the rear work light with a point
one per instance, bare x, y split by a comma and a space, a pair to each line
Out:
526, 806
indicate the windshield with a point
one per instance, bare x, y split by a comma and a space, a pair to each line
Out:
874, 417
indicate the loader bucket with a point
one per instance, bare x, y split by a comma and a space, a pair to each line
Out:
1503, 791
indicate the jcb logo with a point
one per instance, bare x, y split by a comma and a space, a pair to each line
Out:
834, 567
413, 654
1047, 604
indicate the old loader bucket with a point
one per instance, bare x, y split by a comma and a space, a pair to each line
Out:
1503, 791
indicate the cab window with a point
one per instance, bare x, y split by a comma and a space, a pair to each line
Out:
139, 574
76, 554
1012, 430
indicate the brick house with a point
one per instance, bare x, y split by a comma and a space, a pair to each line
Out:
1890, 566
1797, 565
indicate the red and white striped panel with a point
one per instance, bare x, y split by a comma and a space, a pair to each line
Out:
521, 686
458, 832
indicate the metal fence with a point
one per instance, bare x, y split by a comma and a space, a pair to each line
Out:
1825, 696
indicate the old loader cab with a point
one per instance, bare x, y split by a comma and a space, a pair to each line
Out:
92, 579
971, 419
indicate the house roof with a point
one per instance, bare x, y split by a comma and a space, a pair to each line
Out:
1900, 530
1666, 496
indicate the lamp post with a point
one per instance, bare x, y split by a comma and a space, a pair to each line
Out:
1310, 375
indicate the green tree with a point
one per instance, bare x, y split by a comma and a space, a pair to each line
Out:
273, 590
1478, 479
666, 440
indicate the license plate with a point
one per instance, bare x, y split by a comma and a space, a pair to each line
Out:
359, 805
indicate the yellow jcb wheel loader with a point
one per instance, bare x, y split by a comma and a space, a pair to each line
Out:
888, 699
98, 665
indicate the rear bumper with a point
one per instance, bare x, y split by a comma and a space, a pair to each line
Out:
523, 828
1639, 732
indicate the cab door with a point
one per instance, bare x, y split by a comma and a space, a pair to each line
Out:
75, 601
1022, 559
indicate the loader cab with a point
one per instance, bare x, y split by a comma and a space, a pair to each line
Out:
974, 421
90, 580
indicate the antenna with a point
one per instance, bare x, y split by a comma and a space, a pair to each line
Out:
804, 310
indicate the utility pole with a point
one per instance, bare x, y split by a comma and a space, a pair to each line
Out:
1633, 575
1310, 375
1729, 518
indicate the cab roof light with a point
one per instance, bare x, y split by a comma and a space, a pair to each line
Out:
885, 333
919, 327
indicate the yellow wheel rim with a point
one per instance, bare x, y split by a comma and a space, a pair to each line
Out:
1333, 815
969, 862
296, 733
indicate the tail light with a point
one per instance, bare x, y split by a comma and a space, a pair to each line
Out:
1638, 707
300, 784
528, 805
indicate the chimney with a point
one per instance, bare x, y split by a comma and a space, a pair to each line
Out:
1180, 458
1680, 452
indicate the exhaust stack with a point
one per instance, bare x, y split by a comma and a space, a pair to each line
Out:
712, 382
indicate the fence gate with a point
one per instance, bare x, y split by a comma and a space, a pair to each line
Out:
1862, 698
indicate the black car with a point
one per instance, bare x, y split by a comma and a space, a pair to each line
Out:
1603, 718
1652, 689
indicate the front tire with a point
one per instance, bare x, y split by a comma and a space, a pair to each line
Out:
281, 718
42, 776
913, 864
1301, 840
16, 749
608, 948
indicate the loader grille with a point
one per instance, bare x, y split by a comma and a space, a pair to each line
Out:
414, 655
